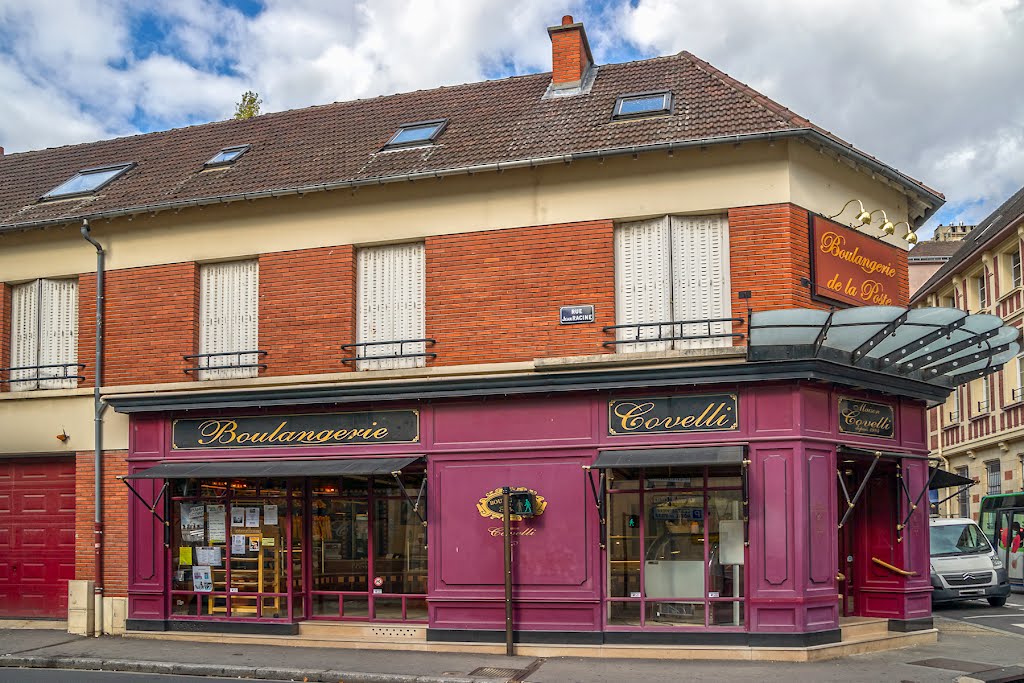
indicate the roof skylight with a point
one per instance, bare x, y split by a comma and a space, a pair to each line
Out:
420, 133
87, 181
643, 104
228, 155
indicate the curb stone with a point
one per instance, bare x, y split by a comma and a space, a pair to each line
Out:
256, 673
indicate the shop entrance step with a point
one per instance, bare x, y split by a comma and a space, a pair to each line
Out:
856, 628
369, 632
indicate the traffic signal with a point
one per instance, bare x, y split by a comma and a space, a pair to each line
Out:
633, 522
522, 503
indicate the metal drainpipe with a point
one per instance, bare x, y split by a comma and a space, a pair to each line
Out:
98, 407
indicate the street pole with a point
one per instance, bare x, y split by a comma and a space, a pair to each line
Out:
505, 503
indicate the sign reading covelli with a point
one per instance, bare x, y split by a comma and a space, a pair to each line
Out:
853, 268
704, 413
866, 418
320, 429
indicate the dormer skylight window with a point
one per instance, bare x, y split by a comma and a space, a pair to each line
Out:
87, 181
643, 104
227, 156
415, 134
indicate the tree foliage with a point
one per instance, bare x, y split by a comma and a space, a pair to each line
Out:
249, 106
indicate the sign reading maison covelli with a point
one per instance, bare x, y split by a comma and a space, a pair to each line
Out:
320, 429
866, 418
853, 268
704, 413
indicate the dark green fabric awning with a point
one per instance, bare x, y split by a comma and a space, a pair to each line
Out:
255, 469
660, 457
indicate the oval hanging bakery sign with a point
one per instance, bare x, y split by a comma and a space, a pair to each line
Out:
490, 505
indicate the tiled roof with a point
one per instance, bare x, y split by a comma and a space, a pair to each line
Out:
973, 245
934, 249
490, 122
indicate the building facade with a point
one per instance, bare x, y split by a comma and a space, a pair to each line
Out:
978, 430
325, 340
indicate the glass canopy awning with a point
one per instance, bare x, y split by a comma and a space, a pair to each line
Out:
942, 346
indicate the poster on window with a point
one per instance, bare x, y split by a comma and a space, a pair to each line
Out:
193, 523
202, 581
270, 515
209, 555
237, 516
238, 544
215, 530
252, 517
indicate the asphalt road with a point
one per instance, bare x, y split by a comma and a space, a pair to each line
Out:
62, 675
1009, 618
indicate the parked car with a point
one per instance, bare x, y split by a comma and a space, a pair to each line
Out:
963, 564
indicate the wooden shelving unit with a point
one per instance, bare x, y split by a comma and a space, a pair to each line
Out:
249, 574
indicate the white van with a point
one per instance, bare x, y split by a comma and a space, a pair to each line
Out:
964, 566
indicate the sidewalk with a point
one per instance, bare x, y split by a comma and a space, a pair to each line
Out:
960, 650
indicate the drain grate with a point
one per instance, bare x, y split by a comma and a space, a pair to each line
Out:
955, 665
495, 672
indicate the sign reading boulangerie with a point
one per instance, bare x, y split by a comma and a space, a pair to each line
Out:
703, 413
320, 429
866, 418
854, 268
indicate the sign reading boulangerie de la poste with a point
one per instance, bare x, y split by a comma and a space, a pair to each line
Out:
318, 429
853, 268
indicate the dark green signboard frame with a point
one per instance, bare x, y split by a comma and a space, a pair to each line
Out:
277, 431
673, 414
866, 418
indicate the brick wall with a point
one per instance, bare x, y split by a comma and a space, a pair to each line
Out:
307, 309
568, 56
494, 296
151, 317
769, 247
115, 521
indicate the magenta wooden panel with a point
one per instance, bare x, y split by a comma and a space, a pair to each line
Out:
519, 422
146, 556
773, 409
147, 436
775, 503
550, 550
822, 561
816, 410
490, 614
911, 425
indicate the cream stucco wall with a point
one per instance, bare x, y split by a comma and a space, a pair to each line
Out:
31, 425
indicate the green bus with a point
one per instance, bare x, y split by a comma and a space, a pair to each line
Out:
1002, 521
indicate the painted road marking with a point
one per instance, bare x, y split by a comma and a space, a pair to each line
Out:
1018, 625
991, 616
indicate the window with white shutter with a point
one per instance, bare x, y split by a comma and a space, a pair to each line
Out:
229, 319
44, 335
672, 269
390, 305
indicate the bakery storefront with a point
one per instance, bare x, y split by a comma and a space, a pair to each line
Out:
714, 503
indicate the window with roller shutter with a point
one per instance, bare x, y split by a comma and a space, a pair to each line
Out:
44, 335
229, 319
672, 269
390, 286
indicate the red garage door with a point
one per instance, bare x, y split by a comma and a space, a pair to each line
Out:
37, 536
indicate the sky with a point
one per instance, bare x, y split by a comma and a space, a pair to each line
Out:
931, 87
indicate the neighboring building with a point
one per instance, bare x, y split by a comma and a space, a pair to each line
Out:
926, 258
333, 334
953, 232
978, 430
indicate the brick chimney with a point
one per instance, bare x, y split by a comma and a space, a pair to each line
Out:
570, 54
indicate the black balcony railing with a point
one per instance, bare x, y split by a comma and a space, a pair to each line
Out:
982, 406
42, 373
672, 330
1018, 394
357, 350
202, 361
954, 416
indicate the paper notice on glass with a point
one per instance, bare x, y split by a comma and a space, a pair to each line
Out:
237, 516
252, 516
193, 523
201, 579
184, 556
270, 515
215, 531
209, 555
238, 544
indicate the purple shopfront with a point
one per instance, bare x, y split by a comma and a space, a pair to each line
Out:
666, 516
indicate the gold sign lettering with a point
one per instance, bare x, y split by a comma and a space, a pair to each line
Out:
682, 413
500, 532
225, 433
869, 419
832, 243
316, 429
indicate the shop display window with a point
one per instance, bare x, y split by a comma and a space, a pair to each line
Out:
675, 547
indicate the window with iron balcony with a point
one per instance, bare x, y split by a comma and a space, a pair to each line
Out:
228, 322
44, 336
672, 287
